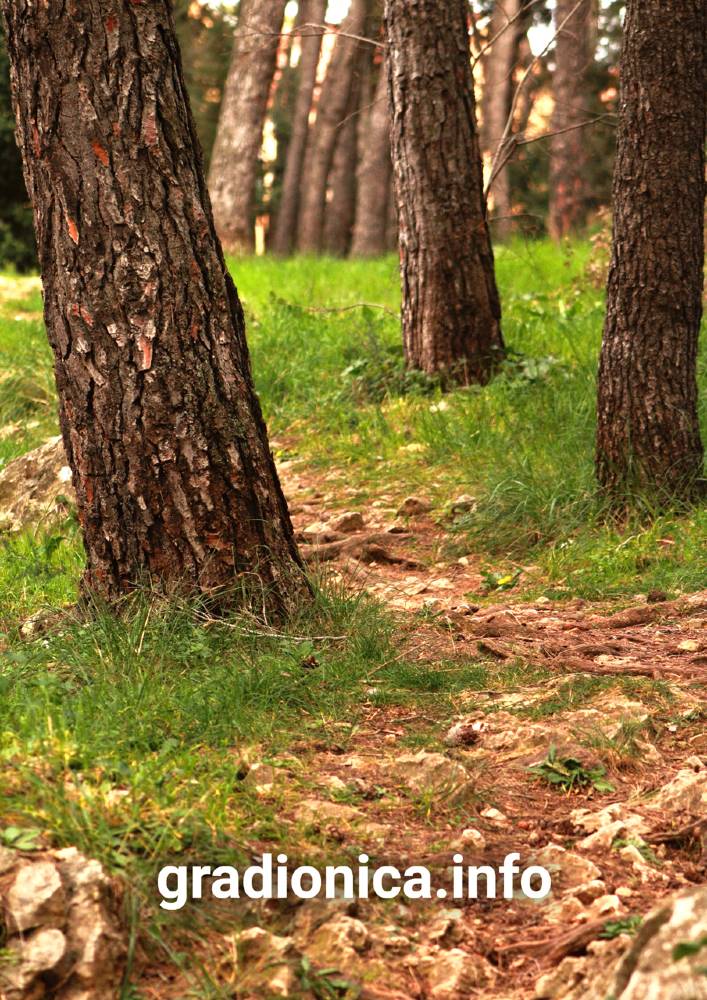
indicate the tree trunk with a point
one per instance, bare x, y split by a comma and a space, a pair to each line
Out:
375, 177
331, 111
174, 478
311, 43
648, 431
342, 187
451, 314
498, 63
574, 54
236, 154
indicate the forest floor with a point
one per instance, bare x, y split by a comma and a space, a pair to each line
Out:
477, 615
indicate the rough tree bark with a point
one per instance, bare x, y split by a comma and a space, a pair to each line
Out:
331, 111
648, 431
574, 54
340, 210
311, 44
451, 314
234, 162
498, 63
375, 176
162, 429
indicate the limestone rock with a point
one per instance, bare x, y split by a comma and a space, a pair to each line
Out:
266, 963
413, 506
315, 810
686, 792
37, 954
666, 960
62, 925
451, 974
349, 521
31, 484
574, 870
337, 942
260, 777
423, 771
35, 898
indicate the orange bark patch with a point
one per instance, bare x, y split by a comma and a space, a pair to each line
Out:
111, 24
73, 231
150, 130
194, 330
35, 141
100, 152
145, 345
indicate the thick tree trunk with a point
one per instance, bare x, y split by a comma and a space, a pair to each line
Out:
236, 154
451, 312
648, 432
310, 43
375, 175
574, 54
331, 112
498, 63
162, 429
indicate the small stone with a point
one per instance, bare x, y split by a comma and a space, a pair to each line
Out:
465, 732
260, 777
36, 897
574, 869
37, 954
412, 506
349, 521
453, 973
473, 838
314, 810
423, 771
689, 646
495, 815
463, 503
590, 891
605, 906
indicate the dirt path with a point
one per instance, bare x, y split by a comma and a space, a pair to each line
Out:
625, 696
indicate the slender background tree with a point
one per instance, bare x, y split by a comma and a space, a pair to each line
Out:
574, 55
451, 315
331, 114
310, 48
234, 163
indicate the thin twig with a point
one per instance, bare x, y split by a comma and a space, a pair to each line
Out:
510, 21
501, 151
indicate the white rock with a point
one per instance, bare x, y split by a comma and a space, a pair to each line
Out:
36, 897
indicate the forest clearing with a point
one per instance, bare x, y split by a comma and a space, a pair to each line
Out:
174, 732
353, 575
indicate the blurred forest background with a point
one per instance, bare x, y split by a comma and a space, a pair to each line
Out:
546, 103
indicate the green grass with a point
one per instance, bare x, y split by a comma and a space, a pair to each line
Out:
127, 735
523, 446
325, 338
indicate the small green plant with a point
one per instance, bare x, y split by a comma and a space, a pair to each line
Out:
629, 925
500, 581
570, 774
20, 838
645, 850
686, 949
325, 984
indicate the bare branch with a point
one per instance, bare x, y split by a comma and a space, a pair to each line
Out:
502, 156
